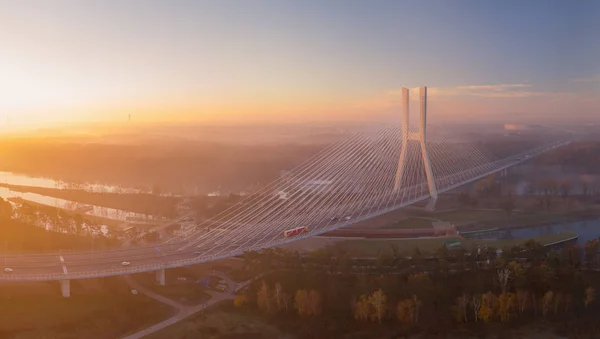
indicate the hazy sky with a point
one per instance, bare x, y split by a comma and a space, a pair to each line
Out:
72, 60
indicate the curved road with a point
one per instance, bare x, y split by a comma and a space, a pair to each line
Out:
201, 246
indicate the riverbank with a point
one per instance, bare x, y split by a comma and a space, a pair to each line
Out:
533, 220
375, 247
137, 203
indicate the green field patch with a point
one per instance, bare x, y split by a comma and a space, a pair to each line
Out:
180, 287
97, 308
410, 223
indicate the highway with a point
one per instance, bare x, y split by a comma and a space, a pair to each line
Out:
203, 245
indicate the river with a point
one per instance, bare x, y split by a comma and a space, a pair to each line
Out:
110, 213
585, 229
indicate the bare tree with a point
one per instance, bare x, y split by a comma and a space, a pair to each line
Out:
476, 305
462, 303
503, 276
522, 300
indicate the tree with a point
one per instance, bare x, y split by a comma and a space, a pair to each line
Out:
6, 209
314, 299
488, 307
507, 303
547, 301
590, 296
240, 301
378, 301
301, 303
522, 301
476, 305
308, 303
408, 310
416, 308
281, 298
503, 276
462, 303
263, 298
361, 308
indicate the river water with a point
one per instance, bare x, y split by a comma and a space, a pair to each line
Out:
111, 213
586, 230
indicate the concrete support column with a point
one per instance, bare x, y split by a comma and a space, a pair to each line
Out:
160, 277
65, 288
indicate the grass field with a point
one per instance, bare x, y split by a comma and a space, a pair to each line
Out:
371, 248
187, 292
98, 308
222, 322
410, 223
469, 216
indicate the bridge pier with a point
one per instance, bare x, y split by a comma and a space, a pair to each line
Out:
65, 288
160, 277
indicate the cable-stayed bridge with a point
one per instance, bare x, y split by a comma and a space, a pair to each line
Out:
364, 176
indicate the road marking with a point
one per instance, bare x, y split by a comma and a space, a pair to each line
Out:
62, 260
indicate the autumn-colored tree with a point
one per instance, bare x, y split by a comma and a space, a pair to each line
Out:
518, 273
302, 303
315, 304
240, 301
488, 307
378, 302
507, 303
263, 298
590, 296
547, 301
404, 311
362, 309
408, 310
476, 305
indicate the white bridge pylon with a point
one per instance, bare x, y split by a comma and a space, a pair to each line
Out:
420, 137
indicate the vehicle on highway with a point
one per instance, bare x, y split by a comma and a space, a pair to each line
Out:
518, 159
198, 253
348, 217
8, 270
294, 231
125, 263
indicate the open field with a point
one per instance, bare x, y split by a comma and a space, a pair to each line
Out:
98, 308
410, 223
222, 322
138, 203
187, 291
368, 247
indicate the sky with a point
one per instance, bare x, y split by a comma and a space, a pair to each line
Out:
271, 60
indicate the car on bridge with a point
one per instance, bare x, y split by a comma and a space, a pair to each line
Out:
125, 263
8, 270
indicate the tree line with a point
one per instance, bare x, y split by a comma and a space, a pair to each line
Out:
453, 291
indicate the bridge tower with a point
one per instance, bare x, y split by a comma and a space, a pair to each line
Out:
421, 138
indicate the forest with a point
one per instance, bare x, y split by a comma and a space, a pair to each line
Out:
467, 294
